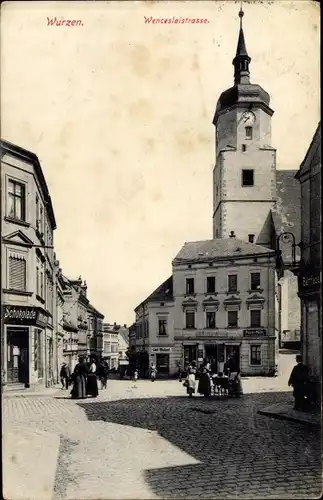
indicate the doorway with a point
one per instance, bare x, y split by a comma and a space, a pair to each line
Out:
233, 357
211, 353
17, 356
190, 353
162, 364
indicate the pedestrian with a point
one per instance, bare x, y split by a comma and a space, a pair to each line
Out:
92, 380
153, 372
180, 372
190, 382
135, 375
204, 386
65, 375
103, 374
298, 379
79, 380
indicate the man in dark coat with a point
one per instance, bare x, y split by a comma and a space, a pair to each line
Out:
298, 379
65, 376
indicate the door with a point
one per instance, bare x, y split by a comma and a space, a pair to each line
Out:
190, 354
17, 355
211, 354
162, 364
233, 357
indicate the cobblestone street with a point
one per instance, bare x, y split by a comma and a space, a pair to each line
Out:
149, 440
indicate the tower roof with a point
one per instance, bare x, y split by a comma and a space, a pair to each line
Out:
243, 91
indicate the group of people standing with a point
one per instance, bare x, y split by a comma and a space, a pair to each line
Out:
207, 377
84, 378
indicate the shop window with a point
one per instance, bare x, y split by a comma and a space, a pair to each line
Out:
255, 354
190, 319
17, 273
255, 281
255, 318
232, 319
210, 284
162, 327
210, 319
232, 283
189, 286
16, 200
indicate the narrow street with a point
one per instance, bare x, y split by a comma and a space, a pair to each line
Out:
149, 440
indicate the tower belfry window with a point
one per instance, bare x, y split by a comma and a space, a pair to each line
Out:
249, 133
247, 178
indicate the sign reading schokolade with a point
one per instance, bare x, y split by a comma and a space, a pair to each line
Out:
24, 315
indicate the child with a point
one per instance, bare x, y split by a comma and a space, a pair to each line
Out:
135, 375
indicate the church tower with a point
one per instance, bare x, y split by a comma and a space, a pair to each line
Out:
244, 176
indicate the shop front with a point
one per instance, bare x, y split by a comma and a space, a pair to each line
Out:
24, 328
160, 356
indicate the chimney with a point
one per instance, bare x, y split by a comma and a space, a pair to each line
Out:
232, 235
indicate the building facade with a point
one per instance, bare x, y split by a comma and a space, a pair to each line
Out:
123, 342
154, 341
28, 333
111, 344
310, 270
224, 305
95, 323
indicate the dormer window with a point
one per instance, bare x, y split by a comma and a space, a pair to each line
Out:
249, 133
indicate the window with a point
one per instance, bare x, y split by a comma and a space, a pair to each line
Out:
189, 286
42, 284
37, 281
106, 347
247, 178
244, 147
232, 283
255, 354
251, 238
210, 319
41, 228
17, 273
37, 213
162, 327
190, 319
255, 318
16, 200
249, 133
210, 284
232, 319
255, 281
147, 328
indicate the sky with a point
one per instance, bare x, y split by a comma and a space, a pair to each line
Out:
119, 112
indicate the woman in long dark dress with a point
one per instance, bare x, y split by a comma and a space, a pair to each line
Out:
79, 380
92, 380
204, 386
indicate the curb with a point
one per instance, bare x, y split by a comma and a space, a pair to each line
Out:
290, 418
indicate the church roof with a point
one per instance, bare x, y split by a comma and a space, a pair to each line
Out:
219, 248
244, 92
287, 214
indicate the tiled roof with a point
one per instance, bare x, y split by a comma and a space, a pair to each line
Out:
217, 249
287, 214
94, 311
163, 293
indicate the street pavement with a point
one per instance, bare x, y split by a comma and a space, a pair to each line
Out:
149, 440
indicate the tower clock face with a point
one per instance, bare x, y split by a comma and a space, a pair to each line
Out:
248, 118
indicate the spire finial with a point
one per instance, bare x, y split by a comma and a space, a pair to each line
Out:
241, 60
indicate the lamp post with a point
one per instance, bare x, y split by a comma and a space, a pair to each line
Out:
289, 239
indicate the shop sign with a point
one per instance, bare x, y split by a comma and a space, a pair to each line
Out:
309, 282
161, 350
24, 315
254, 332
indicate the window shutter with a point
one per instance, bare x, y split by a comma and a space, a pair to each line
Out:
17, 273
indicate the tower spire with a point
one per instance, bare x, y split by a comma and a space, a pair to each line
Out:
241, 60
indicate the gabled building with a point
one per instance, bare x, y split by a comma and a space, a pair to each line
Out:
310, 269
28, 293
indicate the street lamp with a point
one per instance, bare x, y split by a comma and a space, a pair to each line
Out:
289, 239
